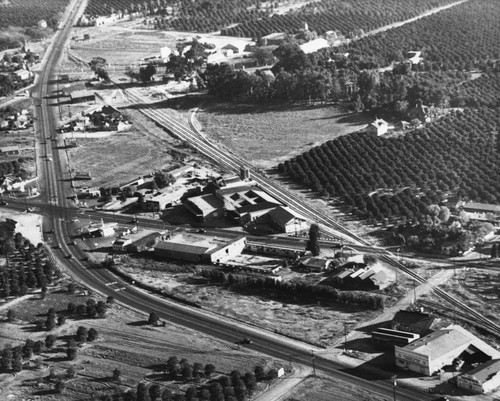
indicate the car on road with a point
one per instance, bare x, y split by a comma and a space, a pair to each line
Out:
3, 203
69, 256
57, 246
245, 341
201, 230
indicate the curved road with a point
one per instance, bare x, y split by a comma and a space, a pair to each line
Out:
56, 191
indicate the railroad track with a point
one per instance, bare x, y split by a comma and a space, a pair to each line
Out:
232, 163
457, 314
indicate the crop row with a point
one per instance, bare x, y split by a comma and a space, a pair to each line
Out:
345, 17
483, 91
385, 177
463, 37
27, 13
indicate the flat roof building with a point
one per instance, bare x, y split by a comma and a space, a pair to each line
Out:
82, 96
199, 248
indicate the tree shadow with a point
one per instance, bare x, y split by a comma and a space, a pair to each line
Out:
45, 392
57, 359
139, 323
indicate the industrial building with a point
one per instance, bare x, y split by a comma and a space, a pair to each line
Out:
429, 354
482, 379
389, 338
237, 200
413, 321
200, 248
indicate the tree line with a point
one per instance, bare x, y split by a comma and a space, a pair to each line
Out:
293, 291
203, 383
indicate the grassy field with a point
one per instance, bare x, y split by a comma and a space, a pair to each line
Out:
268, 135
125, 155
125, 342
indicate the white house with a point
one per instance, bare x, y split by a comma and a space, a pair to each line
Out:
379, 127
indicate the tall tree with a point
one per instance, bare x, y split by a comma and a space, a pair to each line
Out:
312, 244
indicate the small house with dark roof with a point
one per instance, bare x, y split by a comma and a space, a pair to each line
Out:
229, 50
314, 264
275, 38
413, 322
482, 379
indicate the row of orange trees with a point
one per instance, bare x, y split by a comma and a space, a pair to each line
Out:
463, 37
26, 13
380, 177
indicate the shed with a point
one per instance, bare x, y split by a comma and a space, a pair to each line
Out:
412, 321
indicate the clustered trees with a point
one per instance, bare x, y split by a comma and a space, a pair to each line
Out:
432, 232
330, 76
204, 386
98, 65
12, 357
90, 309
293, 291
13, 167
27, 266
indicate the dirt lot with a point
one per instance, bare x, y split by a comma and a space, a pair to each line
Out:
125, 342
322, 388
315, 324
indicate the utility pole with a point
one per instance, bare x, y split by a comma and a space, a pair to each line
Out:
394, 385
312, 360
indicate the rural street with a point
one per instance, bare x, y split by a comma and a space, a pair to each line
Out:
56, 190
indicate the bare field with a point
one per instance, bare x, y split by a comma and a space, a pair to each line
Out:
124, 43
124, 156
324, 389
314, 324
268, 135
125, 342
477, 287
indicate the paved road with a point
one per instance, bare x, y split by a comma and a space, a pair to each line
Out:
57, 189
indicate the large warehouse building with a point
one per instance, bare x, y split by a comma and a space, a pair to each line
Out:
430, 353
199, 248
